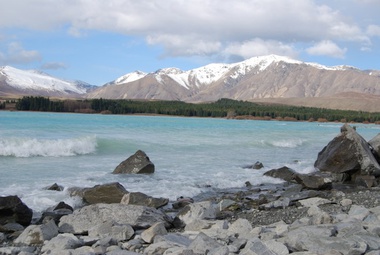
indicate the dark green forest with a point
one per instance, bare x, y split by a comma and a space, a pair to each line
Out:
221, 108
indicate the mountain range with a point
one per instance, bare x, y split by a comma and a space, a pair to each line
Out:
270, 79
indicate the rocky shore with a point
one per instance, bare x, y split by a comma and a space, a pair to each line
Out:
333, 211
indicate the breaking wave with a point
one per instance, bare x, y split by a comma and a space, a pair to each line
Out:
287, 143
32, 147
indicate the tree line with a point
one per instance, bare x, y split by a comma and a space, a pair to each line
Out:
221, 108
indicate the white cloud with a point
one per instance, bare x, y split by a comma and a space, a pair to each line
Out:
16, 54
185, 45
327, 48
195, 27
54, 65
373, 30
258, 47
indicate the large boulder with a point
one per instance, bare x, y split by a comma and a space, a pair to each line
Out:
138, 163
375, 144
12, 209
82, 220
105, 193
348, 154
37, 234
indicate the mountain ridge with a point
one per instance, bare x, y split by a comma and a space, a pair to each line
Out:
271, 78
34, 82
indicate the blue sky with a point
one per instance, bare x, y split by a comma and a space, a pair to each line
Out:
98, 41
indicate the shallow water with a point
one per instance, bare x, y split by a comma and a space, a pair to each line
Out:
191, 155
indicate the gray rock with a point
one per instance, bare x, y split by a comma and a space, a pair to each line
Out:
203, 244
358, 212
175, 239
83, 250
375, 144
284, 173
122, 252
348, 153
138, 163
12, 227
182, 202
345, 202
94, 215
56, 212
55, 187
318, 216
366, 181
11, 250
37, 234
119, 232
225, 203
198, 225
195, 211
12, 209
223, 250
256, 247
282, 202
314, 201
157, 229
138, 198
60, 243
104, 193
355, 232
258, 165
240, 227
157, 248
321, 240
316, 181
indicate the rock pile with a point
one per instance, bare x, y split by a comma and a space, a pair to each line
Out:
336, 222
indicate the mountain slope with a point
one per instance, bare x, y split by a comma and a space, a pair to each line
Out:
256, 78
18, 82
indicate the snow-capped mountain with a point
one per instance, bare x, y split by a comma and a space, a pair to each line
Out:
269, 76
258, 78
19, 82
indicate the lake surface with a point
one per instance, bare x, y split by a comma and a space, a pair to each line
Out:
191, 155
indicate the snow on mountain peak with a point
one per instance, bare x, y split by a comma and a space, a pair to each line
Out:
129, 77
34, 80
208, 74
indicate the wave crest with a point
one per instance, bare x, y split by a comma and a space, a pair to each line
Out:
287, 143
32, 147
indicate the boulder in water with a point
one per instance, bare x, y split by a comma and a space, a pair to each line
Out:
138, 163
284, 173
105, 193
349, 154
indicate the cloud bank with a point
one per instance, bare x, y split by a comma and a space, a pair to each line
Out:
239, 28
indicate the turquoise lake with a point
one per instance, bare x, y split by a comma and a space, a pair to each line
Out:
191, 155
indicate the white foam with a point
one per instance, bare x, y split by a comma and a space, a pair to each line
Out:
31, 147
287, 143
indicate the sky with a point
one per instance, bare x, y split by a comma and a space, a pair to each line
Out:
97, 41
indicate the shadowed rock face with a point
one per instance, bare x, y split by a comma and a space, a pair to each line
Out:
348, 153
12, 209
138, 163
